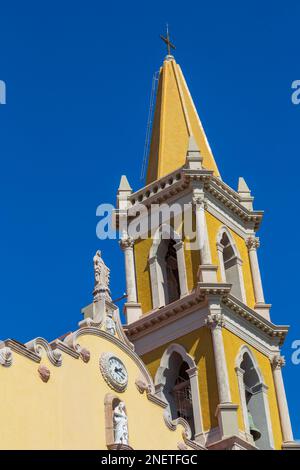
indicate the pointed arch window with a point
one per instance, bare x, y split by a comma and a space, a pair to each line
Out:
176, 382
254, 400
231, 264
167, 267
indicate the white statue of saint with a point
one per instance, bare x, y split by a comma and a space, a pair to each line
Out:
101, 274
120, 421
110, 325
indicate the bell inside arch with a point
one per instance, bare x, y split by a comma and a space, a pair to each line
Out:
254, 431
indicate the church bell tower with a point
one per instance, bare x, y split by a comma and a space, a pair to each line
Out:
195, 309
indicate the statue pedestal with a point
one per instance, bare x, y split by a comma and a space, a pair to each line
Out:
119, 447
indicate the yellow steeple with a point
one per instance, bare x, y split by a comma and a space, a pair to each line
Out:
175, 120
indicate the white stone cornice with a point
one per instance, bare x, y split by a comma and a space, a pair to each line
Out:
240, 319
213, 288
256, 319
178, 181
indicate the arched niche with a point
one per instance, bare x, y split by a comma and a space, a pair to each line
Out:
110, 402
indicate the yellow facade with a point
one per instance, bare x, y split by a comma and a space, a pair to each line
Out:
232, 345
213, 227
198, 344
175, 120
67, 412
192, 259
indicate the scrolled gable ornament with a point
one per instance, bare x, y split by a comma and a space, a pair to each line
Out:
6, 357
85, 355
44, 373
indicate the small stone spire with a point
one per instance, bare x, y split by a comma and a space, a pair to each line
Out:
193, 155
245, 193
124, 184
123, 194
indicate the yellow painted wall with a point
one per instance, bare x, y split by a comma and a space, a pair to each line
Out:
192, 260
67, 412
199, 345
232, 345
213, 226
141, 252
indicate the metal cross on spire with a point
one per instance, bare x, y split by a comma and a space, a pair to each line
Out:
168, 42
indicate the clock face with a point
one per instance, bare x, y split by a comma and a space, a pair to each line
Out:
114, 371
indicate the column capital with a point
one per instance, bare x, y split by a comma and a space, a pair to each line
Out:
199, 201
126, 242
252, 242
192, 372
215, 320
277, 362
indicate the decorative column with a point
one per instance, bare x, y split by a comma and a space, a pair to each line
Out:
215, 321
220, 249
197, 415
226, 410
208, 272
127, 247
179, 247
132, 308
158, 296
262, 308
252, 245
277, 363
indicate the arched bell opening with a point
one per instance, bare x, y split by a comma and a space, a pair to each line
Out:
176, 383
255, 403
167, 261
167, 267
230, 264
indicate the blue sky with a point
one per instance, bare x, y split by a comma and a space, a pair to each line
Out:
78, 78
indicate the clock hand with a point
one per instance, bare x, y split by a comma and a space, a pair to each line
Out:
119, 370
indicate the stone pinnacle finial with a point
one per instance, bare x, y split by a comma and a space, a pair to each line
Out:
245, 193
193, 156
243, 187
123, 194
124, 184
